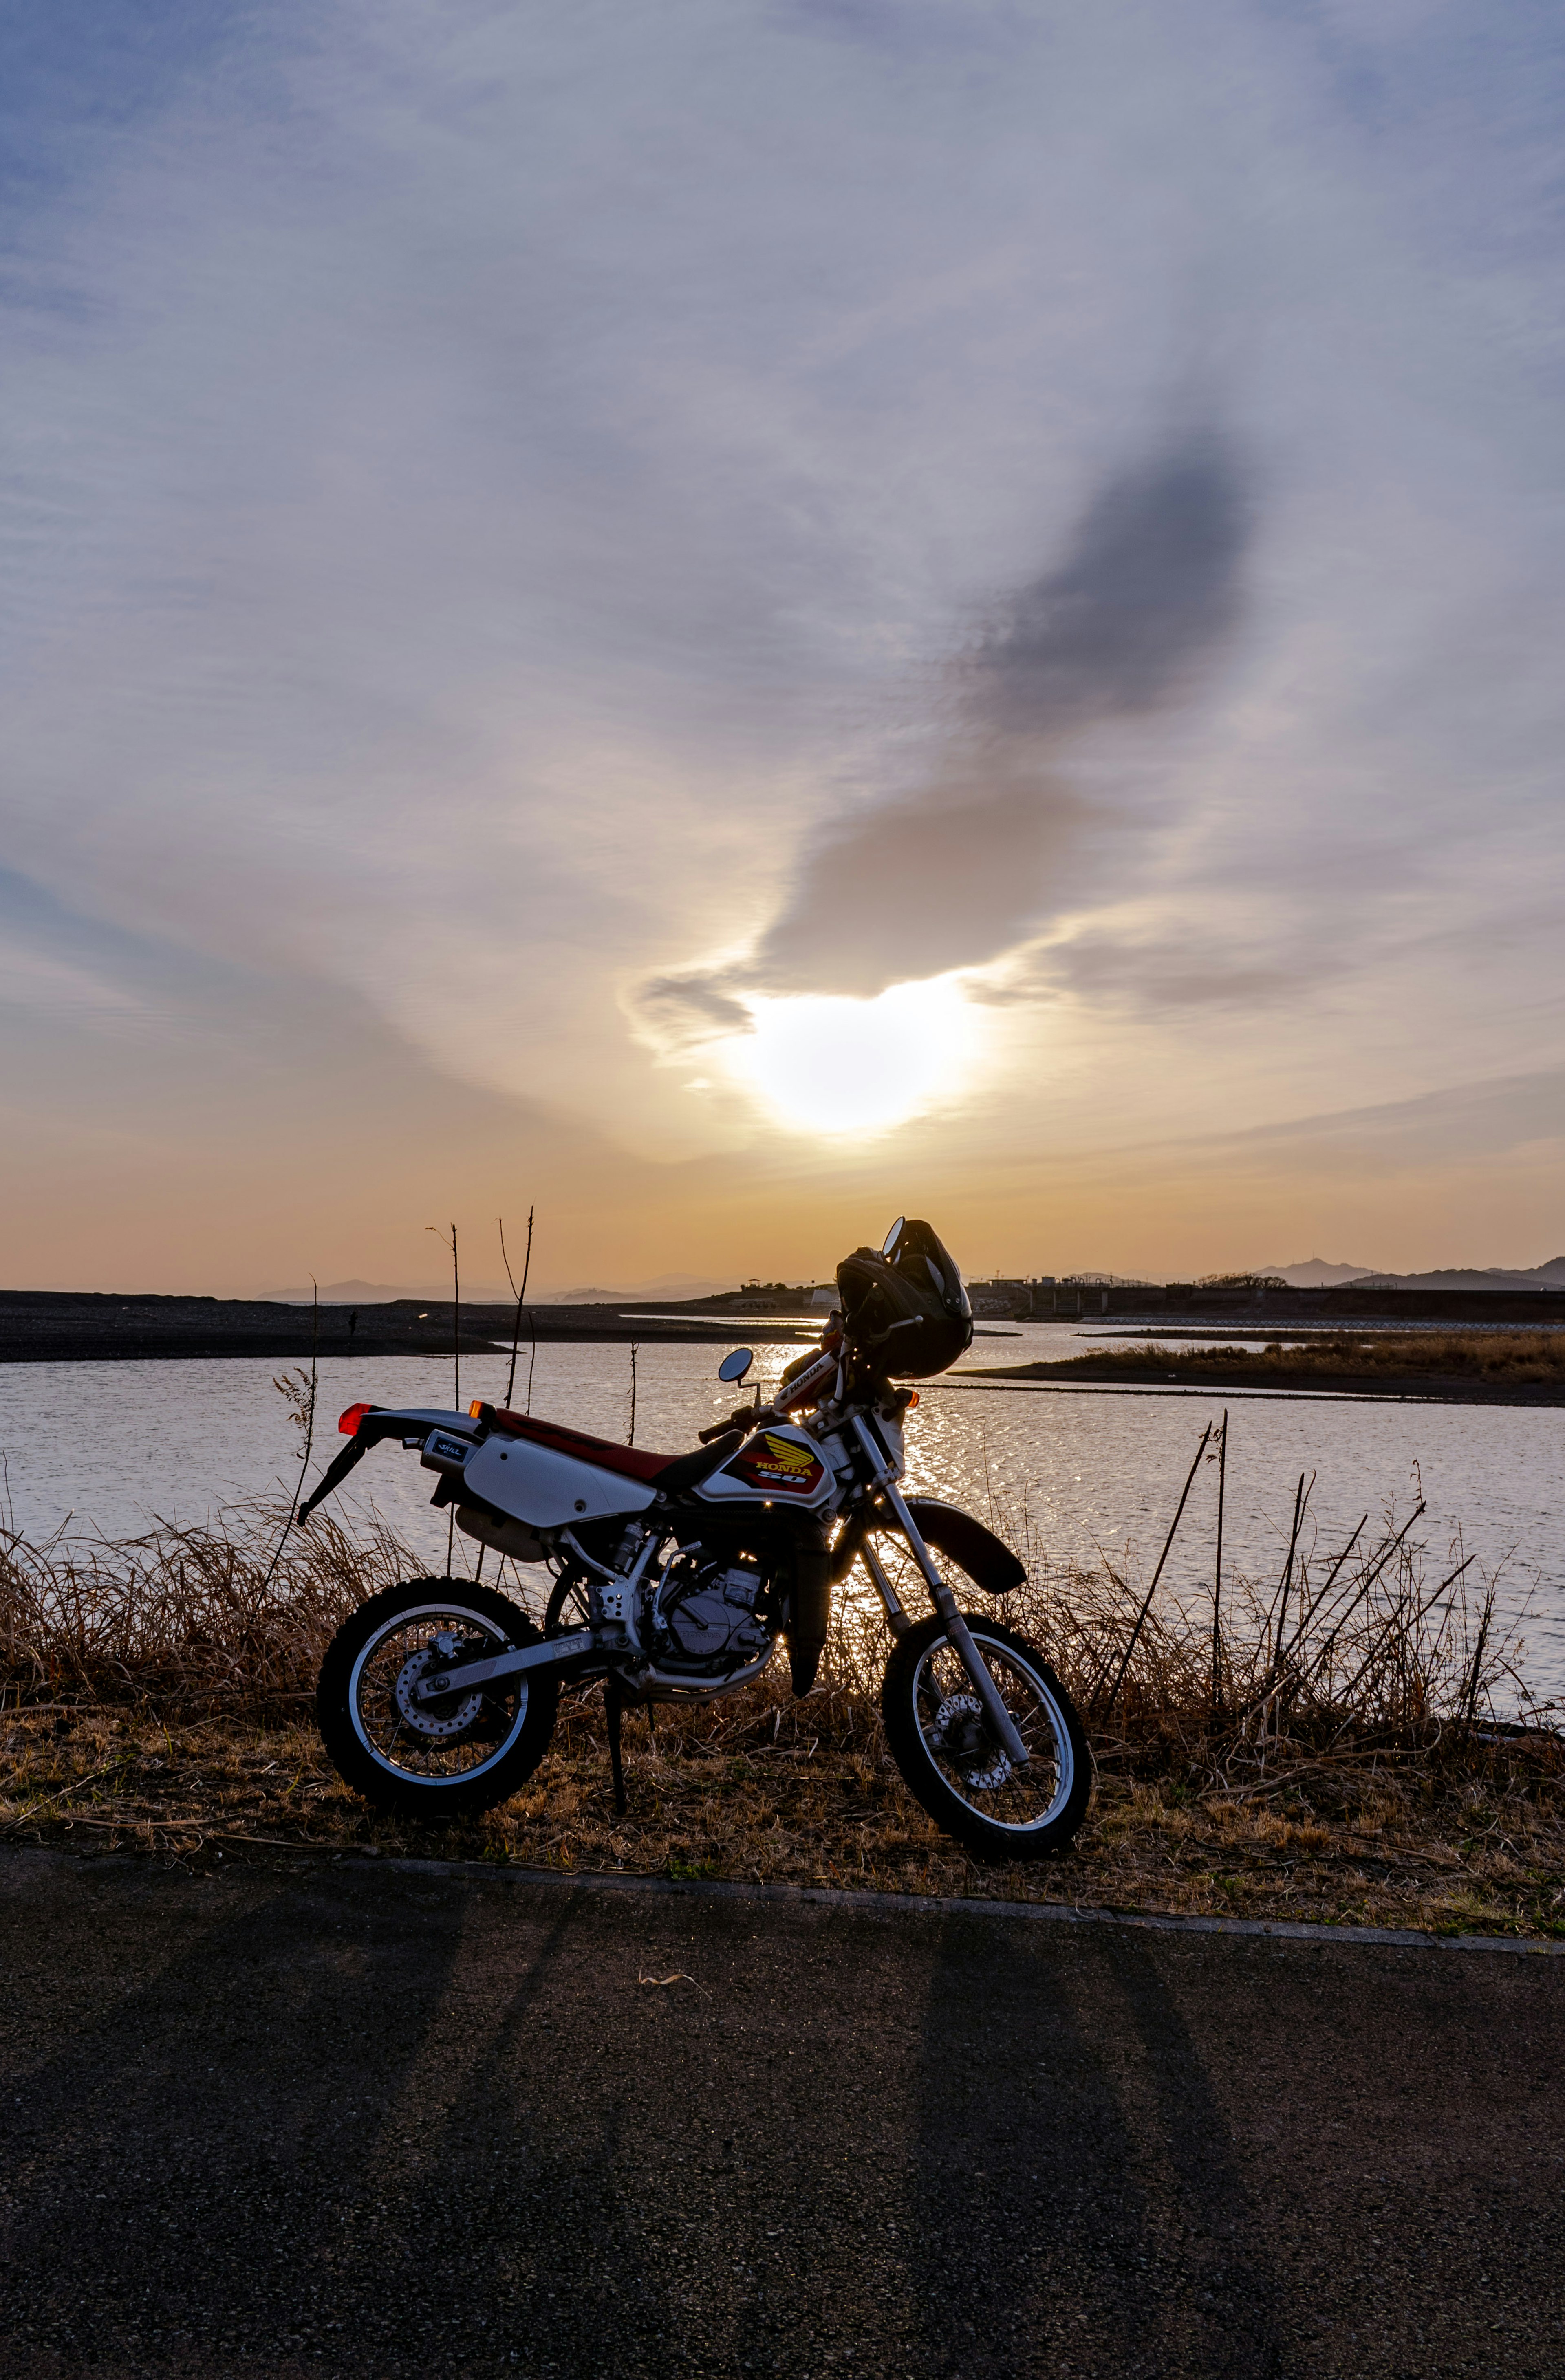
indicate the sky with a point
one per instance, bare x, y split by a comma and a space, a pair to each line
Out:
734, 618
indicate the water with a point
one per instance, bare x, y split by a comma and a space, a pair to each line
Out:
110, 1445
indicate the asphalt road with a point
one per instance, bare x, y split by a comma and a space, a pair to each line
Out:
366, 2121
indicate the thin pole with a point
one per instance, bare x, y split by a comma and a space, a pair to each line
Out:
1157, 1573
1299, 1500
455, 1383
309, 1430
309, 1411
456, 1308
1217, 1573
455, 1364
1309, 1606
633, 1353
1474, 1679
520, 1297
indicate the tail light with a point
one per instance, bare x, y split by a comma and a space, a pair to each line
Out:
348, 1422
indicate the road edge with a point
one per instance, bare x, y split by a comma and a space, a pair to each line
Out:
950, 1905
827, 1896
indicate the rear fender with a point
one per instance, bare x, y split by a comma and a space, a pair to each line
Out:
412, 1424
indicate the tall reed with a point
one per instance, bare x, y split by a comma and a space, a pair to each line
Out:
1378, 1656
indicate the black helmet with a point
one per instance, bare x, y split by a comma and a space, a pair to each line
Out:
912, 1288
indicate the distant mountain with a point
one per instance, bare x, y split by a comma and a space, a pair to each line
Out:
1315, 1273
1545, 1276
381, 1293
1318, 1274
669, 1288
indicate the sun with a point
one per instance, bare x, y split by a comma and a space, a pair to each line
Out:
833, 1066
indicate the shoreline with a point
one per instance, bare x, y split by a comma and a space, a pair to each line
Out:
1474, 1367
40, 1326
1413, 1391
43, 1327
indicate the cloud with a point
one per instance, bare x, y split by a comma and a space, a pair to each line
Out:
1165, 972
1148, 593
957, 871
63, 972
1473, 1120
690, 1007
519, 515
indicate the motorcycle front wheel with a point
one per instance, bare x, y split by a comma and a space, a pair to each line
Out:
442, 1759
941, 1742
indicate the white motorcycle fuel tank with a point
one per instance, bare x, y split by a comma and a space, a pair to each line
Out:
777, 1465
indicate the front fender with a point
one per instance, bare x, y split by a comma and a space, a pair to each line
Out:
988, 1562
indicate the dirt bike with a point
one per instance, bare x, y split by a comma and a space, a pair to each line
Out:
673, 1577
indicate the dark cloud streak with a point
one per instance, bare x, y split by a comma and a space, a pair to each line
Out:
969, 865
1148, 592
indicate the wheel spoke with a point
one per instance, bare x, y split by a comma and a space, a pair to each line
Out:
440, 1741
961, 1744
948, 1711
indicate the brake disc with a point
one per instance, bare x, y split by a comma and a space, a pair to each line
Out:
452, 1715
960, 1734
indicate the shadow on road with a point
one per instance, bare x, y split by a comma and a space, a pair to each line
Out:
378, 2123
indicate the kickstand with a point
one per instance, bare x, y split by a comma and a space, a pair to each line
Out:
613, 1705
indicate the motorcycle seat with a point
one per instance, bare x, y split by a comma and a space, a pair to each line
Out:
630, 1462
689, 1470
671, 1473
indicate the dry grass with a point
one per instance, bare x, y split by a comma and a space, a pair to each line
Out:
157, 1694
1496, 1359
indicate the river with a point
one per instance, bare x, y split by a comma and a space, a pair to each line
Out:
107, 1446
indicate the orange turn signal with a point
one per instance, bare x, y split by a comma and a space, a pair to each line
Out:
912, 1399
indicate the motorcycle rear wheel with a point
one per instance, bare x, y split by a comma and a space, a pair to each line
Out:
940, 1740
440, 1760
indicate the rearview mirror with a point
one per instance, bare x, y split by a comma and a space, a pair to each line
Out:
892, 1236
735, 1366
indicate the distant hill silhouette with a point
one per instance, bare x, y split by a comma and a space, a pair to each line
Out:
1545, 1276
384, 1292
1315, 1273
668, 1286
1318, 1274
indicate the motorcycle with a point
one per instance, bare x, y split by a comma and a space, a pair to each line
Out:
674, 1578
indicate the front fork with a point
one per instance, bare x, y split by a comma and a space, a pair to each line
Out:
957, 1631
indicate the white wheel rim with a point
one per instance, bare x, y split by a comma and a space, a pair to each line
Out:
1053, 1717
394, 1768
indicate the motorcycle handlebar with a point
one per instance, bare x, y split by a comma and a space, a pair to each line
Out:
739, 1421
799, 1391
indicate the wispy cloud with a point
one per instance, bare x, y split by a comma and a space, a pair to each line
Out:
536, 527
955, 872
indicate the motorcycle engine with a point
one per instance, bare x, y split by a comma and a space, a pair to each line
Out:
707, 1611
